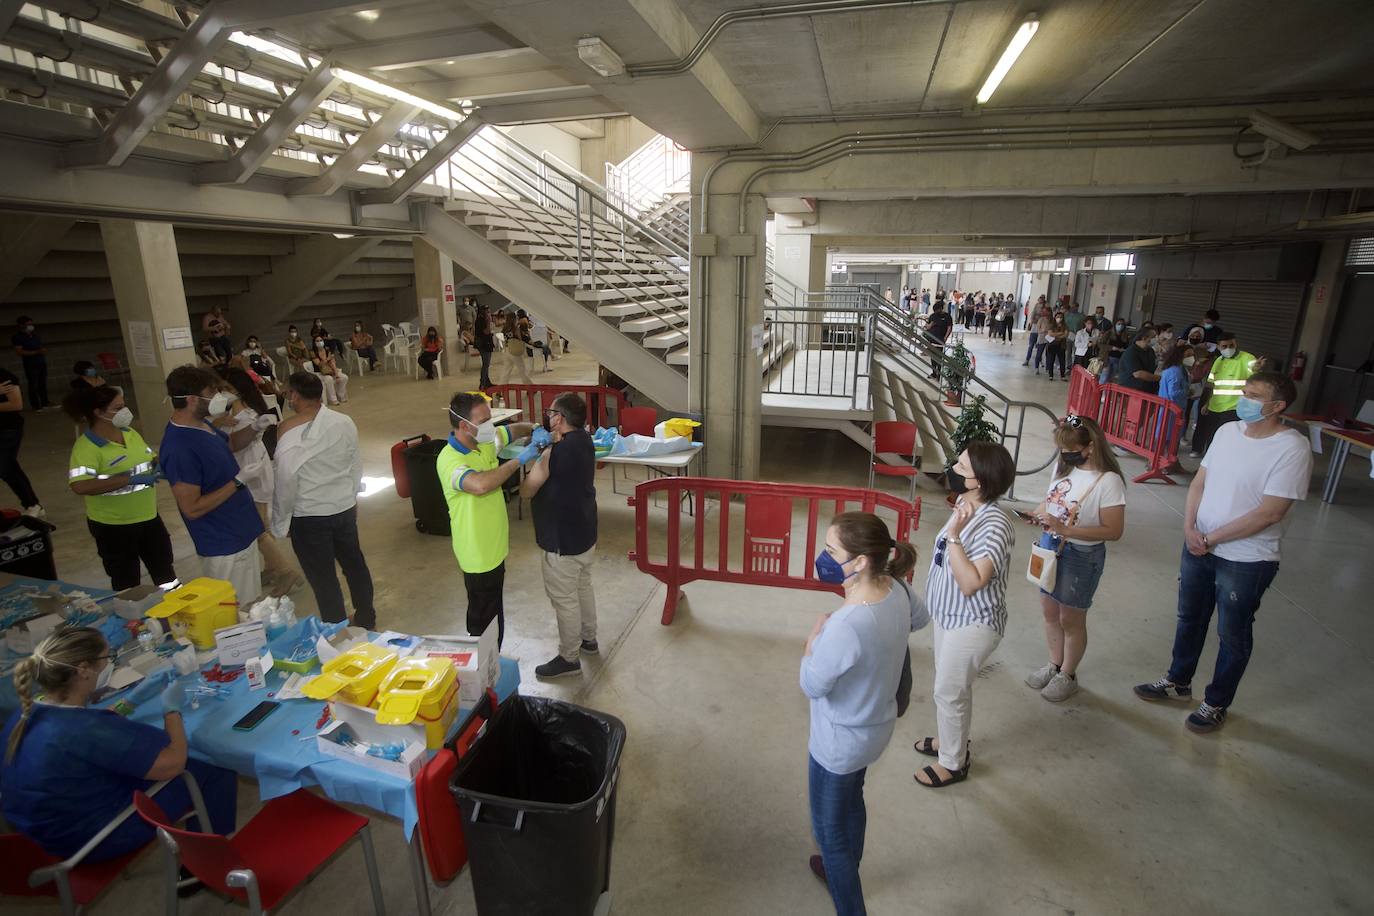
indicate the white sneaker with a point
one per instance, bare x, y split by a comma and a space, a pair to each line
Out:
1037, 680
1060, 688
34, 511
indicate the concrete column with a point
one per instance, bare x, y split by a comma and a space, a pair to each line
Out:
434, 280
151, 300
725, 375
1319, 314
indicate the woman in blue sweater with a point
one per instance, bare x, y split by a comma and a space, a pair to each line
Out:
1173, 386
850, 670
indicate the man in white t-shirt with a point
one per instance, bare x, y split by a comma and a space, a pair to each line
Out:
1254, 471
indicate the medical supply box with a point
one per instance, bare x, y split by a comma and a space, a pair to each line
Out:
352, 676
475, 658
422, 692
335, 740
198, 609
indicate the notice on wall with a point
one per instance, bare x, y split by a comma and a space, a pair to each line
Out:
142, 349
448, 292
792, 252
177, 339
429, 313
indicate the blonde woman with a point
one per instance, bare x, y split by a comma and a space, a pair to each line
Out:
517, 333
71, 768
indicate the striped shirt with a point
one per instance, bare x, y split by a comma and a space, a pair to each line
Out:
988, 534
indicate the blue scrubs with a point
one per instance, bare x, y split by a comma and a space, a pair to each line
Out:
77, 768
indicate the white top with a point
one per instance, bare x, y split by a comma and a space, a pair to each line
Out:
319, 470
1241, 471
1081, 341
987, 534
1065, 497
255, 466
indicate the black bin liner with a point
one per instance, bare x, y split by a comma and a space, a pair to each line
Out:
426, 492
538, 796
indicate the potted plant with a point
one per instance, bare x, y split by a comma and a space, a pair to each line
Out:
956, 369
971, 426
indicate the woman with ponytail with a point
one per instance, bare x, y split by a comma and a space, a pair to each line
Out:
851, 670
69, 769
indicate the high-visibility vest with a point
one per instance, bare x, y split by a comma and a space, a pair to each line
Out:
1227, 379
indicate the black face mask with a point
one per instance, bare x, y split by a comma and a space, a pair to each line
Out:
1073, 459
957, 484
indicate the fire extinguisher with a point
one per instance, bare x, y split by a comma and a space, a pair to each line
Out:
1299, 364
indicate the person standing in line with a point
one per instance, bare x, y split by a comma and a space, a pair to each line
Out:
198, 460
1211, 331
11, 436
1033, 344
485, 342
1136, 368
217, 327
1073, 318
1117, 342
1173, 386
34, 357
939, 325
361, 344
1084, 508
1043, 322
116, 473
562, 492
851, 671
318, 473
967, 595
1083, 342
518, 352
1232, 526
472, 475
1056, 348
1222, 392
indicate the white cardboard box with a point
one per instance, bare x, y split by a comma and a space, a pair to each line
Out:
236, 644
477, 659
411, 759
363, 721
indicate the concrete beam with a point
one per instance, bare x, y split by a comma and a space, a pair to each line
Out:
9, 11
422, 50
367, 144
699, 108
295, 278
500, 85
305, 98
558, 110
26, 240
425, 166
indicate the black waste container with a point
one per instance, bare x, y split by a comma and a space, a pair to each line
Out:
426, 494
538, 793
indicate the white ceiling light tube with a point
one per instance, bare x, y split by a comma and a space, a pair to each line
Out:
1018, 43
399, 95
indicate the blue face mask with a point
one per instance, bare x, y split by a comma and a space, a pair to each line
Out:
830, 570
1249, 410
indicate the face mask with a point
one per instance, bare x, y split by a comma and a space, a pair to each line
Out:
1189, 361
486, 432
955, 480
1121, 326
102, 680
1249, 410
253, 345
89, 373
831, 570
1228, 352
1073, 459
28, 329
1207, 325
219, 404
122, 418
357, 328
294, 335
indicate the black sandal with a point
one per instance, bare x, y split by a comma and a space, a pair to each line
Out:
937, 783
926, 746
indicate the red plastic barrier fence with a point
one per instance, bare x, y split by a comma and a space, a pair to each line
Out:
764, 556
1145, 424
603, 404
1085, 394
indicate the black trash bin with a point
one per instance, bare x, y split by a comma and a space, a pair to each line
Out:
426, 494
537, 792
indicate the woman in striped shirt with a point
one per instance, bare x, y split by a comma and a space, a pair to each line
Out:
967, 596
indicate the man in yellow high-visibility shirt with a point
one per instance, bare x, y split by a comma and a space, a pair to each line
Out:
1225, 385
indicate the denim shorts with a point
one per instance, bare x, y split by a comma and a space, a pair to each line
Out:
1079, 571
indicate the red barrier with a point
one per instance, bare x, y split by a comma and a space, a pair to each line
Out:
603, 404
1085, 394
765, 553
1145, 424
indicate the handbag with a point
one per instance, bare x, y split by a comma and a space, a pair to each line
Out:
1042, 568
904, 682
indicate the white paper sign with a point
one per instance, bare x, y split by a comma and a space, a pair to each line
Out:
1314, 432
177, 338
429, 313
144, 352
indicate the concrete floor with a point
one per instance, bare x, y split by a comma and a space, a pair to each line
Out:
1101, 805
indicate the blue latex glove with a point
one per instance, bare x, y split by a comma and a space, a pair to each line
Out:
527, 454
541, 438
174, 697
148, 688
148, 479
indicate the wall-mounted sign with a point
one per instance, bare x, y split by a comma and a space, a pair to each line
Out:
177, 339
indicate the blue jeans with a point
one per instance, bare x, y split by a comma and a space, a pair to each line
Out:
1235, 590
838, 822
218, 786
1030, 345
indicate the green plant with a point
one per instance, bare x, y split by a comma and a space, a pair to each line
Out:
956, 368
971, 427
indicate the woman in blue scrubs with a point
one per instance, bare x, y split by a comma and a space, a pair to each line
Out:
70, 769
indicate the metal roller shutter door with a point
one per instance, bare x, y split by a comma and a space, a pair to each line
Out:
1264, 316
1182, 302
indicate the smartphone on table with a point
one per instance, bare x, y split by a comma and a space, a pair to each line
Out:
255, 716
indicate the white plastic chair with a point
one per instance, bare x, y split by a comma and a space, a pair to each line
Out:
390, 330
398, 349
359, 364
438, 366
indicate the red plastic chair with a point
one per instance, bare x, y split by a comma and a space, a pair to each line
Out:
270, 856
26, 870
894, 437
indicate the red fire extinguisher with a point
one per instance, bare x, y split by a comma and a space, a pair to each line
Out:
1299, 364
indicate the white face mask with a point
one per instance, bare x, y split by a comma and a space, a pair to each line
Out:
219, 404
1189, 361
486, 432
102, 680
253, 346
1228, 352
123, 418
294, 335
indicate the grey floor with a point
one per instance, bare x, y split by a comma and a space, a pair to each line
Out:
1101, 805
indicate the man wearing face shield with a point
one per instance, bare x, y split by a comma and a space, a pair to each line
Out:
472, 474
198, 460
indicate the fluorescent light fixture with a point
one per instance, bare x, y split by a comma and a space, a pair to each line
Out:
369, 15
598, 55
1004, 63
399, 95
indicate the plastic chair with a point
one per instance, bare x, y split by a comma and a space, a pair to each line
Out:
895, 437
398, 349
270, 856
438, 366
26, 870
